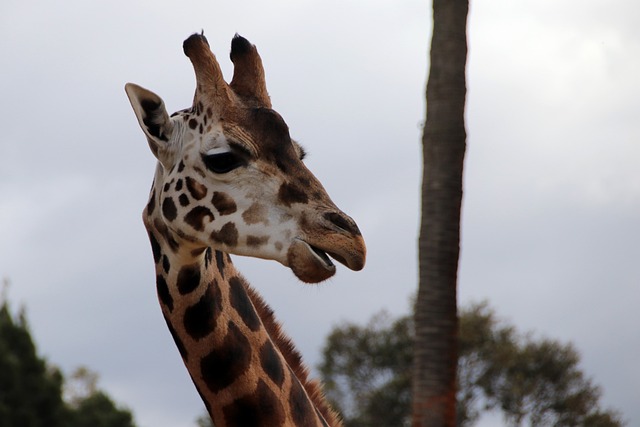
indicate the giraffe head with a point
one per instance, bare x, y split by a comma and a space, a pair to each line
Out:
231, 178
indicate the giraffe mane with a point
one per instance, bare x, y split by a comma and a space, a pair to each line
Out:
292, 356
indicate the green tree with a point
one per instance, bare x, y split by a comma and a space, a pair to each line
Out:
367, 371
204, 420
90, 406
444, 142
31, 390
99, 410
537, 382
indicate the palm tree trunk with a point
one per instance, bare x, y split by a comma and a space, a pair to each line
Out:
436, 321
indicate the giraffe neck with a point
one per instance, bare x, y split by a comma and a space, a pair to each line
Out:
245, 369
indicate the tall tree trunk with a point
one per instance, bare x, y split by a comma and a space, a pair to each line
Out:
436, 321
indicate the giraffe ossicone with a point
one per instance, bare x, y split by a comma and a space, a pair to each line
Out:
230, 180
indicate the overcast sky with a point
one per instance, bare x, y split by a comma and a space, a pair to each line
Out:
552, 184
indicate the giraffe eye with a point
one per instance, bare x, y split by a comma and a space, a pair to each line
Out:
222, 162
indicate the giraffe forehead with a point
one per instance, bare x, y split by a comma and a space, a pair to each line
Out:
261, 132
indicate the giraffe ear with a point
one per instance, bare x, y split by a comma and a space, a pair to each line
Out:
152, 117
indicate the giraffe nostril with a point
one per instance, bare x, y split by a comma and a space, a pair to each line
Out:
343, 222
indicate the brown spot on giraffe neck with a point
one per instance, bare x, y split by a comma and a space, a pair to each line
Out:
261, 408
201, 318
301, 411
272, 363
227, 235
163, 293
242, 304
176, 338
220, 368
207, 257
155, 248
220, 263
188, 278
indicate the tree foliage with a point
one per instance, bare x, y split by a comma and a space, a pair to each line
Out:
99, 410
532, 381
367, 370
204, 420
31, 390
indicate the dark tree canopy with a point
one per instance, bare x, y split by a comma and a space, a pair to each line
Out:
204, 420
31, 390
532, 381
98, 410
367, 371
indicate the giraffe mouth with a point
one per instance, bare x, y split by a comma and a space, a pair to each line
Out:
313, 264
321, 255
325, 256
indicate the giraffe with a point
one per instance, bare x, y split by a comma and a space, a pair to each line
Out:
230, 180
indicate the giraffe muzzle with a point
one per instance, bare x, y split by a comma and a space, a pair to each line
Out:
312, 263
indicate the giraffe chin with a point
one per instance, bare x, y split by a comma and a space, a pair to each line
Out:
309, 264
